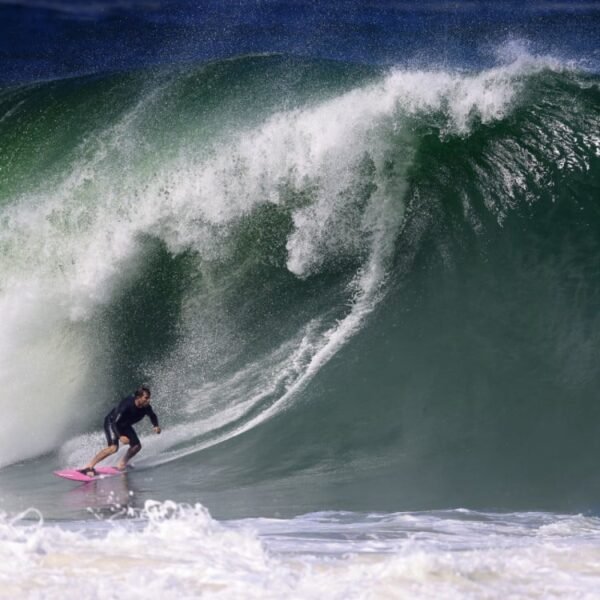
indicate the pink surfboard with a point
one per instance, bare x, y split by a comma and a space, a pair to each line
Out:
75, 475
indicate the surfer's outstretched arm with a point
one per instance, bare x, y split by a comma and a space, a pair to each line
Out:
153, 418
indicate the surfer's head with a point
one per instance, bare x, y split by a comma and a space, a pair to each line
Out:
142, 395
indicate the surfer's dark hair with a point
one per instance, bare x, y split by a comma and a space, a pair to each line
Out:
144, 389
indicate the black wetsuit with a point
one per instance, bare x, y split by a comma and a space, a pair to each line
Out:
120, 419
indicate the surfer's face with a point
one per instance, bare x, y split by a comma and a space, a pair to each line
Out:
143, 400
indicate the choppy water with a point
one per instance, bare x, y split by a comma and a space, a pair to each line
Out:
179, 551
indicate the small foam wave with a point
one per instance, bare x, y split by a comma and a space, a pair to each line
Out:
181, 551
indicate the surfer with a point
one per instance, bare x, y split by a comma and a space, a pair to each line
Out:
118, 427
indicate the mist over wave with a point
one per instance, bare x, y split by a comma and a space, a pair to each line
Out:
223, 232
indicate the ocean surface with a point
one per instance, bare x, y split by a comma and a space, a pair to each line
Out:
353, 248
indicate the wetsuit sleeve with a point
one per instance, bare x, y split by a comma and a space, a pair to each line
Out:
152, 416
120, 410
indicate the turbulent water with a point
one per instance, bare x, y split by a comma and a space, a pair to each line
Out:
355, 290
176, 551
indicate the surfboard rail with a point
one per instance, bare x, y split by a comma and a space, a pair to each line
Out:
75, 475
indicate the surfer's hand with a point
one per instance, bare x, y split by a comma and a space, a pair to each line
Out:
157, 430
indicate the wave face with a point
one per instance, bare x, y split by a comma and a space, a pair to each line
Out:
380, 283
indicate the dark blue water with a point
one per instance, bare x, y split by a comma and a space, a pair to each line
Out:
41, 40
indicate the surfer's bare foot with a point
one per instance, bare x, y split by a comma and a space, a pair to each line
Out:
121, 467
89, 471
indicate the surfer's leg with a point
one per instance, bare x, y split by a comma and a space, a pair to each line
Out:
105, 453
134, 447
112, 445
131, 452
